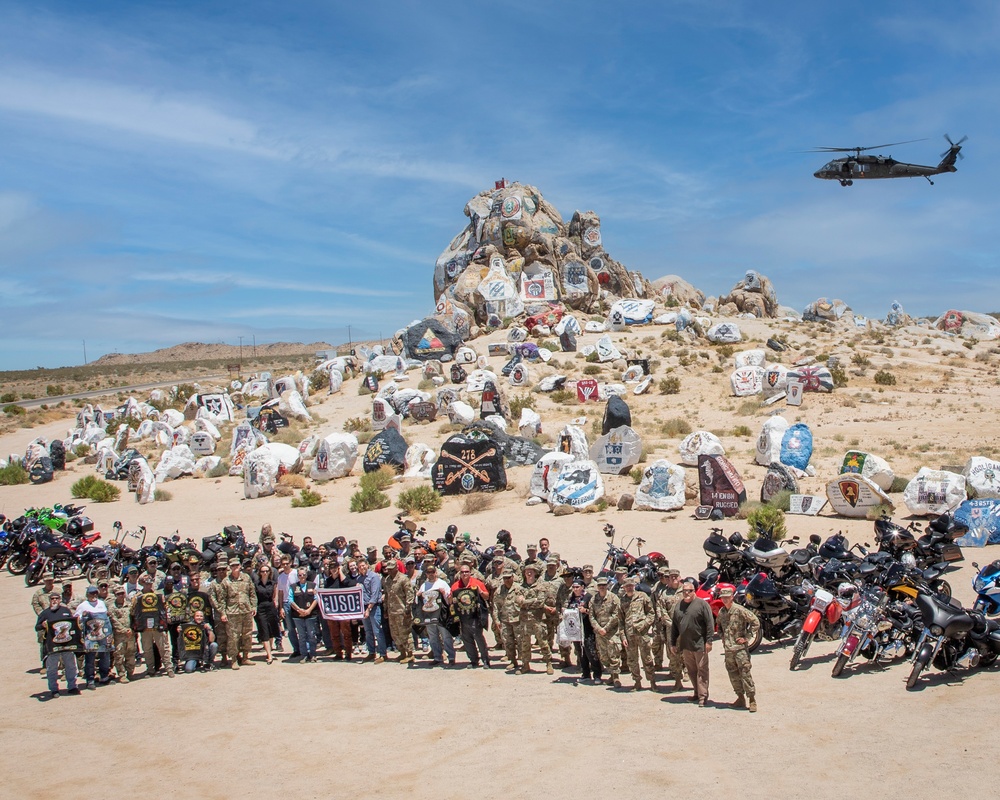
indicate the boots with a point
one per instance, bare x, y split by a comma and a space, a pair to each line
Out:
548, 668
614, 681
678, 685
753, 704
652, 684
740, 702
637, 685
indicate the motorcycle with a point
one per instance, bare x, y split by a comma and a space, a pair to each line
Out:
727, 557
824, 606
952, 637
22, 550
642, 566
780, 614
61, 558
987, 586
117, 555
876, 628
934, 549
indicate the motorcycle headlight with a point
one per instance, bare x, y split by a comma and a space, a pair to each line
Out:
749, 597
937, 630
908, 560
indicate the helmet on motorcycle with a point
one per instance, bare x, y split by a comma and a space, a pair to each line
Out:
736, 540
504, 537
847, 590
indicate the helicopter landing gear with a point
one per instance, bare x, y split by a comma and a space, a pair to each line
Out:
929, 181
848, 182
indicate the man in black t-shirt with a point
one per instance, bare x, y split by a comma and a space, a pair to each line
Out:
63, 641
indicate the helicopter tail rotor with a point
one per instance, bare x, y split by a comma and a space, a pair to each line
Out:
955, 147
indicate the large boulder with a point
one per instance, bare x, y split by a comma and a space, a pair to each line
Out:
797, 446
616, 414
720, 484
823, 310
753, 295
578, 484
934, 492
875, 469
469, 464
430, 339
853, 495
698, 444
617, 451
677, 291
543, 476
724, 333
982, 475
768, 447
661, 487
387, 448
335, 457
969, 323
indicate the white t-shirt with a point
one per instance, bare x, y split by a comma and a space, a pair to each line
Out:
86, 607
435, 596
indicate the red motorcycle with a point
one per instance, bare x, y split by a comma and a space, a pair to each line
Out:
60, 557
824, 607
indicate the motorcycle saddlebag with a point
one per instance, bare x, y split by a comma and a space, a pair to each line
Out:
951, 552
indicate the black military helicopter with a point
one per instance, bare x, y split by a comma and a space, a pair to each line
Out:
865, 167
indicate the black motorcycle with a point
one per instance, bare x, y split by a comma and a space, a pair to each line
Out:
953, 637
933, 549
780, 614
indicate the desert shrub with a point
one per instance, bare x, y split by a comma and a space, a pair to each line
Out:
419, 500
293, 481
364, 437
670, 385
369, 499
82, 450
518, 402
427, 385
593, 358
93, 488
591, 369
861, 360
885, 378
748, 408
476, 502
676, 427
764, 518
724, 352
562, 396
378, 480
13, 410
307, 498
8, 397
781, 499
839, 376
742, 430
162, 495
636, 475
13, 474
218, 471
320, 379
898, 484
184, 392
53, 390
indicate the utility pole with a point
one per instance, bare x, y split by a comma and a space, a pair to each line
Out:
350, 342
255, 346
241, 355
84, 352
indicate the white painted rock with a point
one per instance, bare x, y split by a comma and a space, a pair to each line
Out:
460, 413
769, 442
260, 474
573, 440
606, 350
202, 443
750, 358
288, 456
578, 484
593, 326
545, 472
724, 333
876, 469
700, 443
661, 487
419, 461
747, 381
982, 475
934, 492
775, 378
617, 451
336, 456
530, 424
854, 495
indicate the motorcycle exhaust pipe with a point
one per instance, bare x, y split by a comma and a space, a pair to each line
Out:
969, 659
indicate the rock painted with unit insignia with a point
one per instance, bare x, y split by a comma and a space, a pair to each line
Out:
661, 487
876, 469
933, 491
854, 495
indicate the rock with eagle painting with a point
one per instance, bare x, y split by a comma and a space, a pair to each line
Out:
546, 470
617, 451
747, 381
387, 448
335, 457
750, 358
876, 469
813, 378
467, 464
982, 476
720, 484
698, 444
982, 518
430, 339
853, 495
579, 484
419, 461
775, 379
934, 491
260, 474
796, 446
661, 487
573, 440
724, 333
616, 414
777, 479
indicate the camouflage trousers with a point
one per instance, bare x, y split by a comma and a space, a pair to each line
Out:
151, 637
509, 637
125, 652
638, 650
400, 628
240, 634
738, 667
609, 651
532, 627
661, 642
222, 638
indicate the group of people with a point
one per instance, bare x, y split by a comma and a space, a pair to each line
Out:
412, 597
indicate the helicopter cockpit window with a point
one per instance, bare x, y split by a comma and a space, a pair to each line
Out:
831, 167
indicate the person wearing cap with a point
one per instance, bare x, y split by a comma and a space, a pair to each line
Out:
552, 582
605, 616
149, 616
39, 602
586, 651
693, 626
130, 580
120, 614
399, 594
96, 665
637, 622
433, 599
589, 584
507, 610
470, 599
737, 628
493, 581
67, 597
618, 584
665, 596
535, 603
562, 579
532, 558
63, 640
155, 573
217, 599
239, 605
371, 584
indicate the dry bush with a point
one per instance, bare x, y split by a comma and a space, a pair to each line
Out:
477, 502
293, 481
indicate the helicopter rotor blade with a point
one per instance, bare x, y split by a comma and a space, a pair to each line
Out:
861, 149
953, 145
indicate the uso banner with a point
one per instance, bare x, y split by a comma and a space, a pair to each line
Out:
341, 604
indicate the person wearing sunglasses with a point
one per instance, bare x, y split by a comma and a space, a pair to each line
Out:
691, 634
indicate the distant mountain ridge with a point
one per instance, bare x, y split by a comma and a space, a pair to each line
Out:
199, 351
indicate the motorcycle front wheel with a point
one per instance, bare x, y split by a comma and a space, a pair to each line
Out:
17, 564
914, 675
32, 576
754, 643
942, 588
799, 650
839, 664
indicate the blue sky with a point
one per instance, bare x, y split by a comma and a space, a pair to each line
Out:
178, 171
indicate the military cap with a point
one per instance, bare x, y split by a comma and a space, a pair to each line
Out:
602, 581
409, 560
726, 591
372, 549
119, 590
429, 557
621, 570
102, 582
145, 578
133, 568
390, 563
508, 574
533, 567
54, 594
151, 559
553, 557
665, 571
532, 547
194, 560
631, 581
498, 557
586, 567
467, 558
222, 563
66, 583
674, 573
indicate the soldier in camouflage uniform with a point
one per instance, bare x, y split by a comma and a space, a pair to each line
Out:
535, 604
666, 594
637, 620
399, 594
217, 599
149, 617
40, 602
507, 608
605, 616
239, 606
493, 582
737, 626
120, 614
532, 558
559, 586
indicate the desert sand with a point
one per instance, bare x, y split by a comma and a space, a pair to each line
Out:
334, 729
